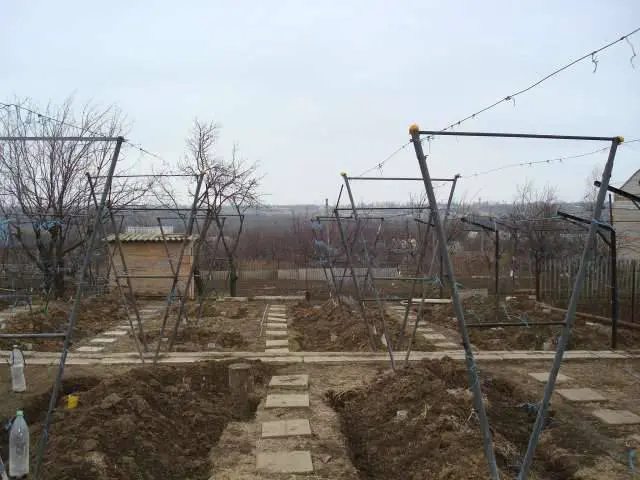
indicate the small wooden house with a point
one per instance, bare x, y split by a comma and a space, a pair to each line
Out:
147, 261
626, 220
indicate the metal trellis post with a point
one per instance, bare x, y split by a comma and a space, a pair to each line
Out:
571, 313
73, 314
457, 305
379, 302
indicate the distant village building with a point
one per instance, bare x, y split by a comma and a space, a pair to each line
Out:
626, 220
145, 253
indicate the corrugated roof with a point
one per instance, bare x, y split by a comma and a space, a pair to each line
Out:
128, 237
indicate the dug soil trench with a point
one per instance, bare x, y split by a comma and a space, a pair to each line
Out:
148, 423
420, 422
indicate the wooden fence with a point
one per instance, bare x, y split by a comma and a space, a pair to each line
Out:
557, 278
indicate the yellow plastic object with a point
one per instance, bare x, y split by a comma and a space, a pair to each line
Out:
414, 128
620, 139
72, 401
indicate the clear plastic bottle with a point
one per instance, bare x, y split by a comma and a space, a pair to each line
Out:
19, 447
16, 361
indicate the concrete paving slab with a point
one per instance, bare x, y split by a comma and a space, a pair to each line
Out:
447, 345
275, 326
276, 333
103, 340
289, 381
277, 350
88, 349
276, 319
116, 333
297, 461
580, 395
285, 360
277, 314
544, 376
287, 400
277, 343
434, 336
286, 428
617, 417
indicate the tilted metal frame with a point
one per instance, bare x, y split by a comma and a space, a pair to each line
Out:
587, 253
75, 309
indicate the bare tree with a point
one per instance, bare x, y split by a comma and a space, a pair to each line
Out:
43, 185
230, 187
538, 233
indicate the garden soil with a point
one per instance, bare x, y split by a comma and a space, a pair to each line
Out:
96, 314
585, 336
421, 422
339, 329
146, 424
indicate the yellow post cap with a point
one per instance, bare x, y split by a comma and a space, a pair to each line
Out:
414, 128
620, 139
344, 174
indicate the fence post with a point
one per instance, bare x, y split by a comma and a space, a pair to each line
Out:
633, 290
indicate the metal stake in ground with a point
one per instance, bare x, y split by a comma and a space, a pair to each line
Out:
356, 286
379, 302
73, 314
570, 316
187, 234
457, 304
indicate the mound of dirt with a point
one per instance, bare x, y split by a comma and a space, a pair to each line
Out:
198, 337
96, 314
527, 312
421, 422
336, 330
340, 329
146, 424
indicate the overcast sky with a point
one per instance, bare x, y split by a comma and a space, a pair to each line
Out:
310, 89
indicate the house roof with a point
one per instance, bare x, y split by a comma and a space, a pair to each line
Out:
632, 183
130, 237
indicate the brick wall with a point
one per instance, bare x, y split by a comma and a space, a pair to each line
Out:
150, 259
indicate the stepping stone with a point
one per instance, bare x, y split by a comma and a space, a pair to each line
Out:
277, 315
276, 320
448, 345
434, 336
544, 376
287, 400
276, 350
116, 333
103, 340
424, 330
276, 333
289, 381
88, 349
276, 325
298, 461
277, 343
286, 428
580, 395
617, 417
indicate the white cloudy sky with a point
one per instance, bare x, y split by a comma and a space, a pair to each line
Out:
310, 89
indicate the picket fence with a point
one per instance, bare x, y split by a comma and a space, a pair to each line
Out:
557, 278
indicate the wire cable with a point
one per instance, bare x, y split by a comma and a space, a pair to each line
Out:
511, 97
82, 129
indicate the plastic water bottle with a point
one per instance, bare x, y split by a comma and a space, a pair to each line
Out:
16, 361
19, 447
